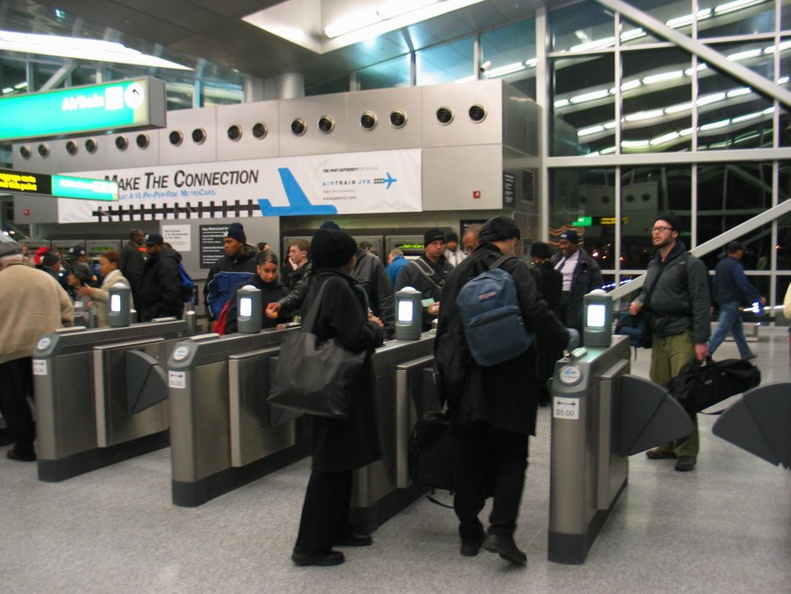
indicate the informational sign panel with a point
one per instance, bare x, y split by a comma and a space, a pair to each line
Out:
211, 244
60, 186
345, 183
178, 236
126, 104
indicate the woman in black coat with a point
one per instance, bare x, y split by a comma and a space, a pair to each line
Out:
266, 281
339, 446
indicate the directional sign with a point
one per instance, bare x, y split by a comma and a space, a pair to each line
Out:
126, 104
566, 408
61, 186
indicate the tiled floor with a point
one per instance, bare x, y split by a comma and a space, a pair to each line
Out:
725, 527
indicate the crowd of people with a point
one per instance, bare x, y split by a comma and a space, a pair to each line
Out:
492, 409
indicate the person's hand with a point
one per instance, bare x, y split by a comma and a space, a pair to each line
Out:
574, 339
85, 291
373, 318
272, 310
701, 350
634, 308
433, 309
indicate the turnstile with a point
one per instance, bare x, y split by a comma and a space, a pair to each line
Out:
84, 381
759, 423
225, 435
600, 416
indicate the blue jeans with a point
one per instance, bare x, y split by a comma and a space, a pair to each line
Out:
730, 322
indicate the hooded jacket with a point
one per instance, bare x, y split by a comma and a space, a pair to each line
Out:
226, 273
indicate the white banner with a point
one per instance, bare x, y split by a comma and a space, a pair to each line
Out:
345, 183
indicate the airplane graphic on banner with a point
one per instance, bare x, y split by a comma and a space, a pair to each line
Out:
297, 200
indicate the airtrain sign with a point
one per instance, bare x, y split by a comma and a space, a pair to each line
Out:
122, 105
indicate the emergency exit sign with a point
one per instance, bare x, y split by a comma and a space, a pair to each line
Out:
127, 104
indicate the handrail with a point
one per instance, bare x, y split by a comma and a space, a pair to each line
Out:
706, 247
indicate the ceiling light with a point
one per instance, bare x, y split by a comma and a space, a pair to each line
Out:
739, 92
734, 6
678, 108
664, 138
744, 55
634, 143
628, 86
507, 69
715, 125
655, 78
93, 50
708, 99
644, 115
592, 96
605, 42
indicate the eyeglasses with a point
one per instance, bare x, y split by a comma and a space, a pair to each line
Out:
661, 229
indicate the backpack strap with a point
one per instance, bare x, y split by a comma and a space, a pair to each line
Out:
427, 271
499, 262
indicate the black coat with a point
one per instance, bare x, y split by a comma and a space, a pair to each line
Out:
504, 395
352, 443
270, 292
160, 287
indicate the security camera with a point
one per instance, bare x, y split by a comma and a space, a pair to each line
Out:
368, 120
175, 137
71, 147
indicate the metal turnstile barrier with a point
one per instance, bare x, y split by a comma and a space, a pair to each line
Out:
222, 430
759, 423
225, 435
600, 416
382, 489
83, 381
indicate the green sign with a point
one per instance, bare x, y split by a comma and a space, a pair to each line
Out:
583, 222
87, 189
62, 186
136, 103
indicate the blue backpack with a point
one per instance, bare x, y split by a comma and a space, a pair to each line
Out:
492, 320
187, 285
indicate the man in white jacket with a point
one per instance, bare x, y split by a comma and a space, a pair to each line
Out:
32, 304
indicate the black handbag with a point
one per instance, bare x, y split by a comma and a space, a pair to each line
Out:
312, 376
433, 452
704, 384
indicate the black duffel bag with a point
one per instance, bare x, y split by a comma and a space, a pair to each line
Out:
702, 384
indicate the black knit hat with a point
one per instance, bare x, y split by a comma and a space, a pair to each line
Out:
331, 248
498, 229
49, 259
432, 235
671, 219
236, 231
539, 249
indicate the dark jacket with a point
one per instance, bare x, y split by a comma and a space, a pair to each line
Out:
292, 303
132, 262
370, 273
160, 287
550, 283
731, 285
226, 273
680, 301
270, 292
426, 277
504, 395
586, 277
352, 443
292, 277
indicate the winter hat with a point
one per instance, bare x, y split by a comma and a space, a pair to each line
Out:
498, 229
571, 236
76, 252
671, 219
9, 248
49, 259
539, 249
236, 231
331, 248
433, 234
154, 239
330, 225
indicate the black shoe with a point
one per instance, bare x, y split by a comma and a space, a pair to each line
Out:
657, 454
506, 547
354, 540
470, 548
321, 559
685, 463
13, 455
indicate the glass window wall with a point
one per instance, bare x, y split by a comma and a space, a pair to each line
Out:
445, 63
